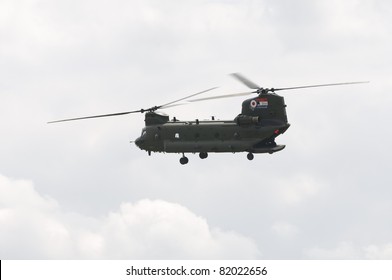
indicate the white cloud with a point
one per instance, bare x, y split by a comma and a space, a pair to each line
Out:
383, 251
34, 226
347, 250
284, 229
298, 188
344, 250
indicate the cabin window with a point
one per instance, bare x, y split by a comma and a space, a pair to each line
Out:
177, 135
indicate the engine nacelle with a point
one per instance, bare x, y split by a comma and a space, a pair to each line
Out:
244, 120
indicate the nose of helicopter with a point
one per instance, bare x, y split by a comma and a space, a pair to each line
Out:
139, 142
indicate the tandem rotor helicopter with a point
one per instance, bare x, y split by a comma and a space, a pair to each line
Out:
254, 130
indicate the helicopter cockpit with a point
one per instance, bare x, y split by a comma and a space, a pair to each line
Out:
142, 139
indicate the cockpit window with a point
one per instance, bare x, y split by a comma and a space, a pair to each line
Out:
144, 132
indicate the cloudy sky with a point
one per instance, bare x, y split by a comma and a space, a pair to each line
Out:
82, 190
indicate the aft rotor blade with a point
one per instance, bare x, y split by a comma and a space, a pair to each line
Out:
189, 96
245, 81
322, 85
98, 116
222, 96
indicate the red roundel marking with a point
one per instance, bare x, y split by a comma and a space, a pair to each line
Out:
253, 104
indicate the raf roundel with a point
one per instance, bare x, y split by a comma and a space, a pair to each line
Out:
253, 104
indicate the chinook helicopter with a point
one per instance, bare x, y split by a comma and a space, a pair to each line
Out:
262, 119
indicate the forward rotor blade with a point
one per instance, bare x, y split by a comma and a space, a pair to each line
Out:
167, 105
189, 96
245, 81
222, 96
98, 116
322, 85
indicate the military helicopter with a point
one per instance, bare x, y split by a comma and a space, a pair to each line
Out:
262, 119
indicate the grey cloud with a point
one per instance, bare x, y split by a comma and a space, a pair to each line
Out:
330, 185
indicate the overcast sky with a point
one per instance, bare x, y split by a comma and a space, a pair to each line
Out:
82, 190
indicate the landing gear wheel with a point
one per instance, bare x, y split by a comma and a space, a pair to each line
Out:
203, 155
250, 156
184, 160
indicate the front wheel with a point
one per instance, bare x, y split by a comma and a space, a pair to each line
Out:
184, 160
250, 156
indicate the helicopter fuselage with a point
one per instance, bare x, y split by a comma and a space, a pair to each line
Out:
210, 136
254, 131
